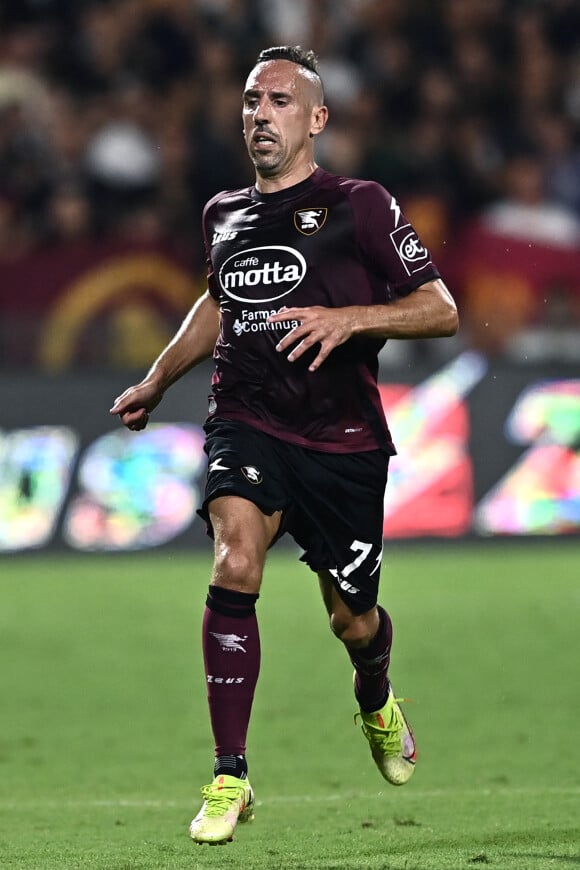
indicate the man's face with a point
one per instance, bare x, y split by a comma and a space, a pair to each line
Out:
282, 108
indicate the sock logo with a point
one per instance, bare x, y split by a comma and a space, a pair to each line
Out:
230, 642
227, 680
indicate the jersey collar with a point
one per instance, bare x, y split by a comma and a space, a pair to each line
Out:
289, 192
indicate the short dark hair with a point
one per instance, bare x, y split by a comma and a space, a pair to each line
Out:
293, 53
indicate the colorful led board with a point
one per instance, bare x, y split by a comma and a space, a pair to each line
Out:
136, 489
541, 493
130, 491
35, 472
430, 489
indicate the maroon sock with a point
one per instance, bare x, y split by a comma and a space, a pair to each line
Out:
371, 663
231, 653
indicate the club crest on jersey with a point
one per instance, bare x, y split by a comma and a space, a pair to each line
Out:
309, 220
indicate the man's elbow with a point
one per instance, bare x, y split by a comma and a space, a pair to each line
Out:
443, 310
449, 321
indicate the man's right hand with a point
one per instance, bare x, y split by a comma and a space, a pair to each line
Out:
136, 403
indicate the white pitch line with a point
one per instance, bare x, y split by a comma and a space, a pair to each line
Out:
333, 797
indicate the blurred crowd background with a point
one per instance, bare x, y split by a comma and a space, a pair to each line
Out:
120, 118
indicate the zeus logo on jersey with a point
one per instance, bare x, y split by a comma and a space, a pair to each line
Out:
223, 236
412, 254
262, 274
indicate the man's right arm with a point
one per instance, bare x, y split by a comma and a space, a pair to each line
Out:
193, 343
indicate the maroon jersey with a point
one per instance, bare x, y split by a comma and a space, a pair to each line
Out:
328, 241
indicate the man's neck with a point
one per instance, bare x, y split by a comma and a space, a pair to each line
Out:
281, 182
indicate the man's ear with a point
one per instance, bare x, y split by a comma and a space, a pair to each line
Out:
319, 119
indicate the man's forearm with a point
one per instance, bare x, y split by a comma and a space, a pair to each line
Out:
192, 343
428, 312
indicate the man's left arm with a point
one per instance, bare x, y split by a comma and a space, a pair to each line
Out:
427, 312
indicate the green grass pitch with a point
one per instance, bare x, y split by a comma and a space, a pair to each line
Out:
104, 737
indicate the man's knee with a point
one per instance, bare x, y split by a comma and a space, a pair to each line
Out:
242, 534
238, 567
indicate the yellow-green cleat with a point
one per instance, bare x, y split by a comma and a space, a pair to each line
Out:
227, 801
391, 740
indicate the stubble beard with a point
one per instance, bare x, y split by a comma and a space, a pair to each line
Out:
267, 164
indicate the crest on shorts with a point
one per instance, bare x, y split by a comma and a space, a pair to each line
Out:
309, 220
251, 473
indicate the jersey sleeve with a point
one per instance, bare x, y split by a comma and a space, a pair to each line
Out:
207, 231
389, 242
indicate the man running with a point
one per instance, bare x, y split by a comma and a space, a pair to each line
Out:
309, 274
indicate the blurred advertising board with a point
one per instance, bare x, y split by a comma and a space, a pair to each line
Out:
484, 450
68, 306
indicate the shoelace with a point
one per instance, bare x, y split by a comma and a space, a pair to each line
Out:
219, 799
388, 739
